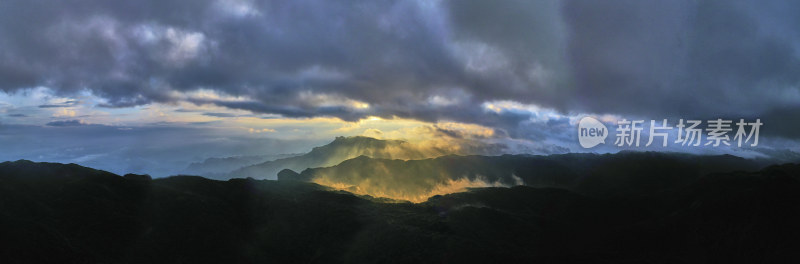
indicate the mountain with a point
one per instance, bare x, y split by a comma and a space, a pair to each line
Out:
341, 149
218, 167
57, 213
416, 180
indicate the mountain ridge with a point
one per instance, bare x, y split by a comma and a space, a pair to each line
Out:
67, 213
340, 149
416, 180
217, 167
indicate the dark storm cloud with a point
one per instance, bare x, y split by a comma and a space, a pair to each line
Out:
307, 58
390, 54
783, 122
701, 59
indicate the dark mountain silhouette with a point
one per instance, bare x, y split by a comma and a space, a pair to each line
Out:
341, 149
625, 172
56, 213
218, 167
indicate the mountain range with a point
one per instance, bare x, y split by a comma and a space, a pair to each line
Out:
341, 149
617, 208
400, 170
219, 167
416, 180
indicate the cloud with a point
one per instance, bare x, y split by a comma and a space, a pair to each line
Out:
64, 112
220, 114
67, 123
263, 130
392, 55
681, 58
462, 139
68, 103
430, 61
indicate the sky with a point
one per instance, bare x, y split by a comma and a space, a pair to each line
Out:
150, 86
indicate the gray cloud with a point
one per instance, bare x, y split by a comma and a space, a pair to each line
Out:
644, 58
219, 114
702, 59
67, 123
68, 103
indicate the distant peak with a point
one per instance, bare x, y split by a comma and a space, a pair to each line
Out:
354, 139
